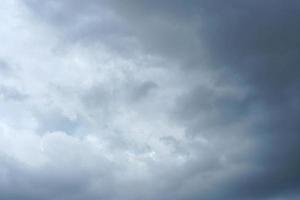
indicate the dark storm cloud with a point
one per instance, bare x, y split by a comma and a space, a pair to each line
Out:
256, 44
253, 45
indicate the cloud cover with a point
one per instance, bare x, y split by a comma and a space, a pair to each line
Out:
149, 100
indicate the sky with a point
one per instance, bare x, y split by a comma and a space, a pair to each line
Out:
149, 99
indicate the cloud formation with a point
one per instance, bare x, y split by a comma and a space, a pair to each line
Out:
149, 100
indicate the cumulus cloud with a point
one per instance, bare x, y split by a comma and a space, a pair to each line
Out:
149, 100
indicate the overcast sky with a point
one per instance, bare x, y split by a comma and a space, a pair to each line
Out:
149, 100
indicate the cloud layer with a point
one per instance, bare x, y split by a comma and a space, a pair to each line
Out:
149, 100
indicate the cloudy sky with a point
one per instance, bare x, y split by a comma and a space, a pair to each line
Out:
149, 100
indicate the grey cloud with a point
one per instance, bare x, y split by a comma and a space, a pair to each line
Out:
49, 182
4, 68
141, 91
56, 121
240, 144
253, 45
91, 22
9, 93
